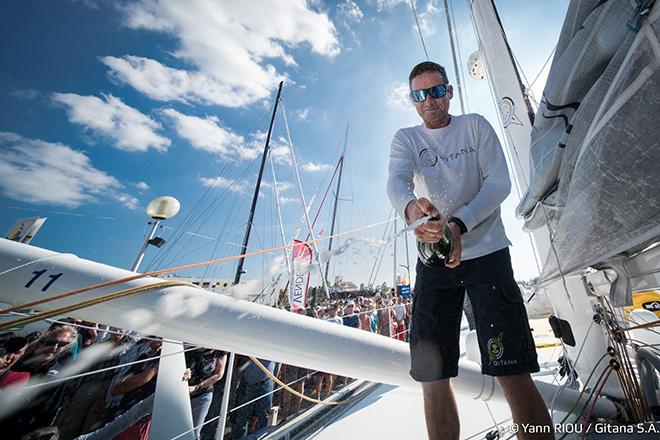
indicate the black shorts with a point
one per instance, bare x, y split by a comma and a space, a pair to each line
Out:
505, 339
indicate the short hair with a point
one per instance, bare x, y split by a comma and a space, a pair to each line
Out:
427, 66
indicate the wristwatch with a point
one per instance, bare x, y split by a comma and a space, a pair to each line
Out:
458, 222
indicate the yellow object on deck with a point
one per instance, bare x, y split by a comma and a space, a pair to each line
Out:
647, 300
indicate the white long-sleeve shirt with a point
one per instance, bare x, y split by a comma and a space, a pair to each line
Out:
461, 169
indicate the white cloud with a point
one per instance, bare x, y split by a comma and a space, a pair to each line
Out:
350, 11
429, 18
142, 186
311, 167
389, 4
281, 185
222, 182
227, 44
397, 96
129, 129
205, 133
127, 200
303, 114
287, 200
163, 83
37, 171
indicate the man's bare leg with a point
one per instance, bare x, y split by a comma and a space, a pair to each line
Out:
527, 406
440, 410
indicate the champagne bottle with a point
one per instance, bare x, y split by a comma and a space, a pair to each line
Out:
433, 254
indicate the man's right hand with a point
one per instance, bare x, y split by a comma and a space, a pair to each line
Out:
431, 231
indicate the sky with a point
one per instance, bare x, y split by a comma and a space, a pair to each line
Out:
107, 105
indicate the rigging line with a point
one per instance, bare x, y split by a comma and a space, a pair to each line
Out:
90, 302
371, 274
103, 370
543, 67
205, 212
112, 332
296, 393
325, 195
412, 5
206, 422
382, 257
460, 56
600, 389
459, 84
559, 391
190, 219
214, 271
187, 223
179, 268
302, 199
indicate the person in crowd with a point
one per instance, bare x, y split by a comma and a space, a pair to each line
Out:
350, 319
462, 179
399, 315
137, 385
254, 384
11, 352
46, 356
207, 367
136, 390
43, 360
384, 318
294, 377
365, 316
332, 316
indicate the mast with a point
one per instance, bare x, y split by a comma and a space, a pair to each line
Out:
239, 268
294, 164
334, 209
459, 86
279, 214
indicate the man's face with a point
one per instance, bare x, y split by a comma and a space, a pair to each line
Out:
55, 344
434, 112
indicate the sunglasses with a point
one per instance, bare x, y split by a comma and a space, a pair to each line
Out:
435, 92
55, 343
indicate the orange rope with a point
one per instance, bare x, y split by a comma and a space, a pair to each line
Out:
174, 269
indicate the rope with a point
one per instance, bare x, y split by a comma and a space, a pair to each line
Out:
412, 5
179, 268
94, 301
294, 392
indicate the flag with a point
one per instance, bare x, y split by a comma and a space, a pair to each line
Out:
302, 254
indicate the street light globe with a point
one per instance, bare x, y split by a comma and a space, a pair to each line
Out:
162, 208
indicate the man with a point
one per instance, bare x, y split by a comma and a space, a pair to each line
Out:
207, 368
456, 167
350, 318
256, 387
46, 356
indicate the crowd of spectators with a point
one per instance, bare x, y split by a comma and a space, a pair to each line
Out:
56, 395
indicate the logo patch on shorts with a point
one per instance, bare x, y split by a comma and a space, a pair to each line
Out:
495, 348
496, 351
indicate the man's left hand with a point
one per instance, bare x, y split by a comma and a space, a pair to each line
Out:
454, 258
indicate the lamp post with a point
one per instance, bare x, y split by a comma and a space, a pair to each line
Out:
159, 209
171, 410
